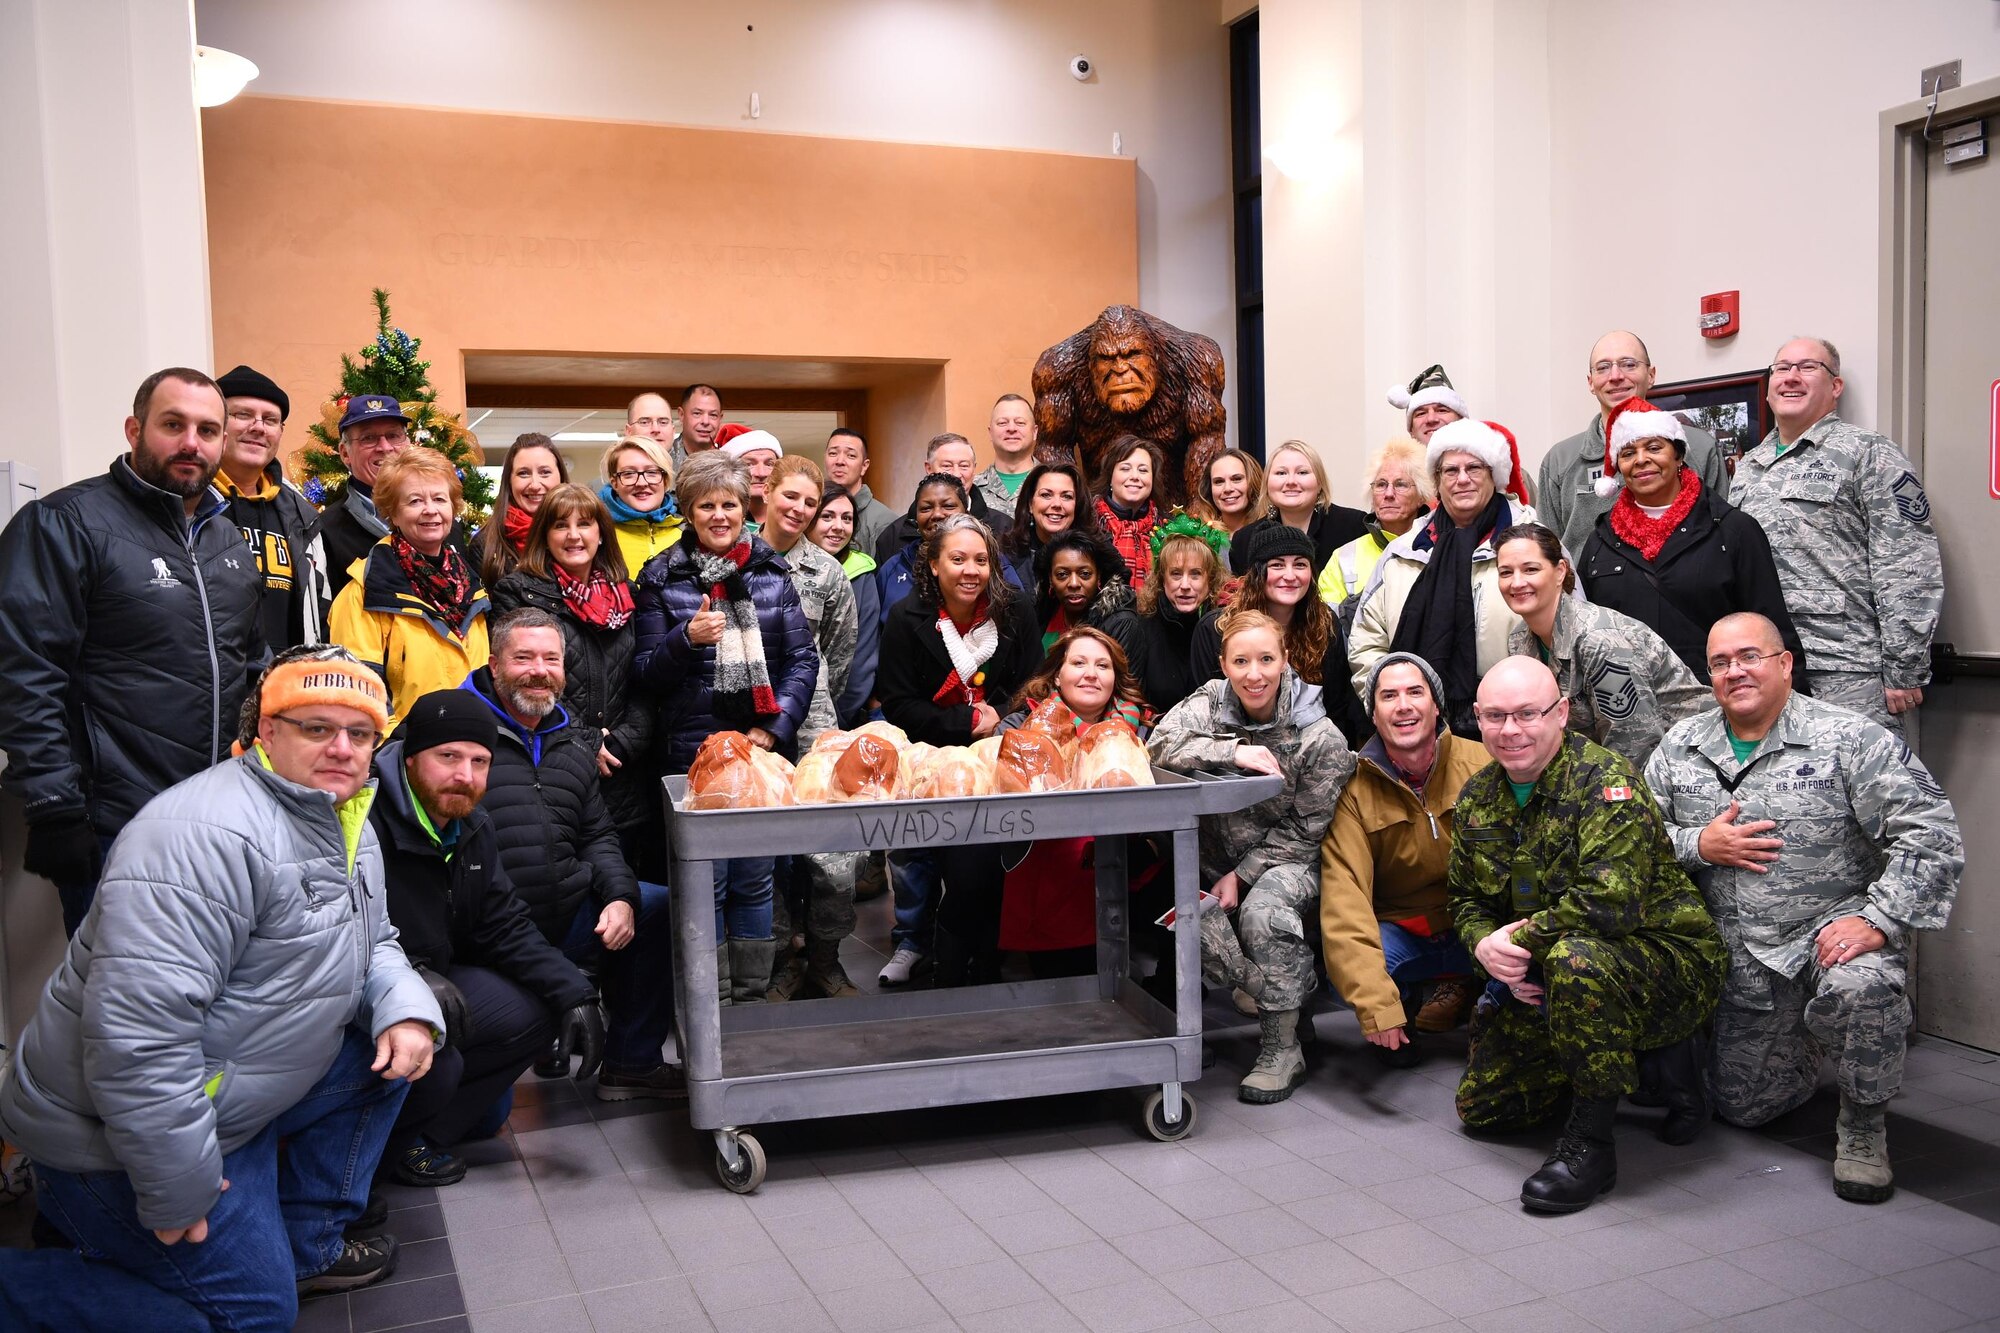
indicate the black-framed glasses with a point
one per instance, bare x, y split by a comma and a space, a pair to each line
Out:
1805, 367
632, 475
319, 733
1749, 659
1496, 718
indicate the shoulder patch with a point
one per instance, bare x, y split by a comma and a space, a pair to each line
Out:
1911, 502
1617, 793
1614, 691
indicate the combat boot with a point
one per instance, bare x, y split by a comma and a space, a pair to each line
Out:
824, 975
1677, 1076
1449, 1004
1861, 1156
1584, 1164
750, 970
1281, 1061
788, 978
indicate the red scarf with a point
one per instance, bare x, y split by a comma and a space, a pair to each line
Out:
515, 527
1132, 536
1649, 536
443, 579
596, 600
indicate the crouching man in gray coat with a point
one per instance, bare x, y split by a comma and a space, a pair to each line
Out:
213, 1070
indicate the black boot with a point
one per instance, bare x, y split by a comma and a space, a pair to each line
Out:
953, 961
1583, 1165
1679, 1075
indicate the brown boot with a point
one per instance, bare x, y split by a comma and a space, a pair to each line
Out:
788, 978
1449, 1003
824, 976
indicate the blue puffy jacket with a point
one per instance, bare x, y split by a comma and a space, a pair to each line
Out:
682, 675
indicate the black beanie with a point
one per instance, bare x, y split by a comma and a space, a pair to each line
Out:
444, 716
244, 382
1280, 539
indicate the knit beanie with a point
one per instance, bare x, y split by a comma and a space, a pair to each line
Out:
244, 382
1431, 678
317, 674
1277, 540
1633, 420
443, 717
1432, 386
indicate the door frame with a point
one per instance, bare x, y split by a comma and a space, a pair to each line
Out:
1905, 173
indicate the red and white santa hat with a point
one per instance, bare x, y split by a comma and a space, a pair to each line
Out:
737, 439
1489, 442
1634, 420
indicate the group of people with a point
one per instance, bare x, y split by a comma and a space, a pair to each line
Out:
353, 812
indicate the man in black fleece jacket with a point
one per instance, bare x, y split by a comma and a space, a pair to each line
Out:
505, 991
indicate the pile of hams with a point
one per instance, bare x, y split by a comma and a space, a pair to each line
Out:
878, 762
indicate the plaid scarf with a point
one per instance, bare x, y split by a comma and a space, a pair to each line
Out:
514, 527
596, 600
742, 688
1133, 536
969, 653
443, 579
1648, 536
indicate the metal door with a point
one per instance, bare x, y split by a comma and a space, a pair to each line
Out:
1960, 722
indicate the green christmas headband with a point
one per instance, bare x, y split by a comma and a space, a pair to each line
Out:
1184, 524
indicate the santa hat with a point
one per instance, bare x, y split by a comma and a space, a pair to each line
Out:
1634, 420
737, 439
1433, 386
1489, 442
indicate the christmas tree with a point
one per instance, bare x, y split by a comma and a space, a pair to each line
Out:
389, 367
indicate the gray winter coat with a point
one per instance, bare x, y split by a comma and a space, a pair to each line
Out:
230, 944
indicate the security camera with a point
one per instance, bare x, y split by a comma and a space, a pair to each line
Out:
1080, 67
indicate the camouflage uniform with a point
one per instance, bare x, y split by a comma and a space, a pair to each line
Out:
1274, 845
1867, 832
828, 601
1625, 686
1622, 946
1850, 529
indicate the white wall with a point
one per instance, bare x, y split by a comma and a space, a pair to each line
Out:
929, 71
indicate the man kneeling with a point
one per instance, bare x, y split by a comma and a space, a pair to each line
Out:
1565, 887
214, 1067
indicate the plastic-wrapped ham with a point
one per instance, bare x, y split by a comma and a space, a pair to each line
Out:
955, 770
774, 773
1110, 755
812, 779
888, 731
729, 773
1056, 719
867, 770
1030, 761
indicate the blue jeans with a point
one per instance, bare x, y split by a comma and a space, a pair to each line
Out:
1413, 959
743, 889
279, 1221
637, 981
914, 876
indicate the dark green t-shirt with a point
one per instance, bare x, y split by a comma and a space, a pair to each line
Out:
1522, 791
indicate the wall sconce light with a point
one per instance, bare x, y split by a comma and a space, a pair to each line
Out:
219, 75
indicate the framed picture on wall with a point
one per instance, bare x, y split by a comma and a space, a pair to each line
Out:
1735, 409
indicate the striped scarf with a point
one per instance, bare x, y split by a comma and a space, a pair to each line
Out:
742, 687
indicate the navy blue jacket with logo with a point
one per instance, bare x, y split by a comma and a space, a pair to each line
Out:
128, 636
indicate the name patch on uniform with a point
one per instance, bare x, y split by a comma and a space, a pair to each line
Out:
1617, 793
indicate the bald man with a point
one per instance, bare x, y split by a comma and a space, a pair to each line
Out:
1596, 947
1619, 368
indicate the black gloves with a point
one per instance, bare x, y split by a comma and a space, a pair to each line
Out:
457, 1023
64, 849
580, 1032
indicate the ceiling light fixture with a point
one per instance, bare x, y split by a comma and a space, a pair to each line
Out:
219, 75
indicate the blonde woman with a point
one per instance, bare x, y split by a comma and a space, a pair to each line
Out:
1296, 495
1399, 493
638, 489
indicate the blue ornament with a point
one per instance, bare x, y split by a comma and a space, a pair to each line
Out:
315, 490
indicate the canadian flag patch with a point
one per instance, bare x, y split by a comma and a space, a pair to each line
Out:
1617, 793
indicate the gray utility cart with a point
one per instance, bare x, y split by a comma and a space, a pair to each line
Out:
752, 1064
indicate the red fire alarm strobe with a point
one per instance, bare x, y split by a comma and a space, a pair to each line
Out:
1718, 314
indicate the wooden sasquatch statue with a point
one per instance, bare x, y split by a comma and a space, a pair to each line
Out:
1132, 374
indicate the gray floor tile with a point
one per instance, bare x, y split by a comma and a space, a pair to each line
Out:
503, 1247
1635, 1247
725, 1247
845, 1267
1544, 1315
1043, 1315
1132, 1306
1949, 1229
1337, 1215
895, 1304
1079, 1267
662, 1302
1717, 1287
1121, 1214
421, 1259
1885, 1306
956, 1246
1871, 1247
526, 1279
1316, 1267
805, 1230
1227, 1288
563, 1314
374, 1308
1259, 1231
1487, 1229
1551, 1267
1382, 1306
639, 1257
1420, 1197
994, 1284
801, 1314
1288, 1316
1049, 1228
1216, 1196
514, 1205
1795, 1265
1289, 1182
746, 1286
1401, 1248
1183, 1244
1365, 1166
1963, 1286
1468, 1287
324, 1314
1630, 1305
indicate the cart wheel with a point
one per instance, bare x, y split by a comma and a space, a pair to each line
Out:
1155, 1118
750, 1166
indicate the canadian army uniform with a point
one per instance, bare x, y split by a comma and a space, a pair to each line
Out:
1867, 832
1850, 529
1625, 951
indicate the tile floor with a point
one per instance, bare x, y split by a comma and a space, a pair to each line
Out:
1358, 1204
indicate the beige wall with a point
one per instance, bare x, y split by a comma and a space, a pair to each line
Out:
1509, 156
923, 71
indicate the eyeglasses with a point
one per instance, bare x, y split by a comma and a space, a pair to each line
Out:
1496, 718
1749, 659
319, 733
1628, 364
243, 416
1801, 367
1385, 485
631, 475
1453, 471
